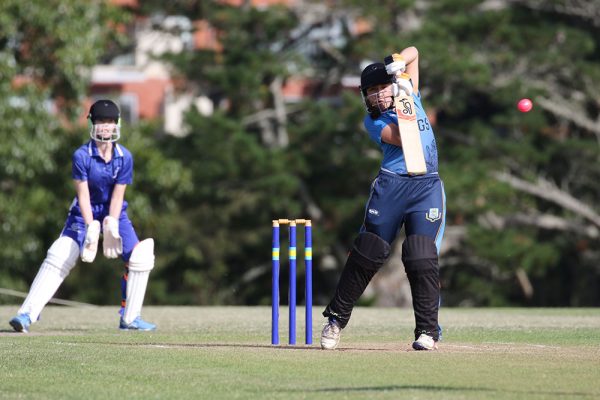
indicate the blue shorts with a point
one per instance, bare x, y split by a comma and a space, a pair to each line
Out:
75, 226
416, 202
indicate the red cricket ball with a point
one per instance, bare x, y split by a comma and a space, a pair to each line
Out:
525, 105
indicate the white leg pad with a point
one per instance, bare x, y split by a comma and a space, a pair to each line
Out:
141, 263
60, 259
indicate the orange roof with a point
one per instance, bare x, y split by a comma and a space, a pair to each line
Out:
297, 88
205, 36
259, 3
150, 94
361, 26
125, 3
19, 81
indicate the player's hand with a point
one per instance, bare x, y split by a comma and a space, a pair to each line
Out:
402, 83
112, 243
90, 244
395, 64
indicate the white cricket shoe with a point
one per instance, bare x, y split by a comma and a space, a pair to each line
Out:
330, 336
424, 342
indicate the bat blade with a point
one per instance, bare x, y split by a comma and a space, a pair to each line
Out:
410, 136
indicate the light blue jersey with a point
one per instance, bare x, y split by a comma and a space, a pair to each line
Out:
393, 156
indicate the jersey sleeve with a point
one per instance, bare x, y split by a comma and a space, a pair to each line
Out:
375, 126
80, 166
125, 174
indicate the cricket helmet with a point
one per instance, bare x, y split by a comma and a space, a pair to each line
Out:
103, 110
373, 75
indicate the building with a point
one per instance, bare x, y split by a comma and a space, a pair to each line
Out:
145, 88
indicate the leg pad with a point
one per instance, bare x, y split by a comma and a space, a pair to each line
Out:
368, 255
60, 260
419, 255
141, 263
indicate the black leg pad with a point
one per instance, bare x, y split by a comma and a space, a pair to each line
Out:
368, 255
419, 255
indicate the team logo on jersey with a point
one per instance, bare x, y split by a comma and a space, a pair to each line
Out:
433, 214
373, 211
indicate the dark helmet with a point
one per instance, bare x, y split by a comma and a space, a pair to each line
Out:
374, 74
104, 109
104, 132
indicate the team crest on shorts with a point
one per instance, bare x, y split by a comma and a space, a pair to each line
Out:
433, 214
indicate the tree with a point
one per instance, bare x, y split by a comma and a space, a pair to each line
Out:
522, 223
477, 59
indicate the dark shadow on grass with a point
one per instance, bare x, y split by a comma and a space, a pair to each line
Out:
62, 332
401, 387
439, 388
301, 346
208, 345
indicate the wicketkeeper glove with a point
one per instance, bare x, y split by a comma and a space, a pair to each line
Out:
402, 83
90, 245
112, 243
394, 64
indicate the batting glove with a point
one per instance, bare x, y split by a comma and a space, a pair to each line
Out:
395, 64
90, 244
112, 243
402, 83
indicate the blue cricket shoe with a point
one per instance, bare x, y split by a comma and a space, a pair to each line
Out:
138, 324
21, 323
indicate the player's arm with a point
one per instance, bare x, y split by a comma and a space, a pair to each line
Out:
83, 198
116, 201
391, 134
384, 130
411, 58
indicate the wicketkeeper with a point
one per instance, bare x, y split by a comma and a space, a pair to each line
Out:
397, 199
102, 169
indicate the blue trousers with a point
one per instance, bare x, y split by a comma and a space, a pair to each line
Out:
416, 202
75, 226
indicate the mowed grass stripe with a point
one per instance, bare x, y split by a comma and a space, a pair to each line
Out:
224, 352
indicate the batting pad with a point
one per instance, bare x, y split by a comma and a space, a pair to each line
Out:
60, 259
140, 265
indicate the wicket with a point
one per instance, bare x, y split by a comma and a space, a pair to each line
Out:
292, 280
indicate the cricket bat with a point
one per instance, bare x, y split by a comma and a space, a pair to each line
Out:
410, 136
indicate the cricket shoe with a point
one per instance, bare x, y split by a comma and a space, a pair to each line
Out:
21, 323
330, 336
424, 342
138, 324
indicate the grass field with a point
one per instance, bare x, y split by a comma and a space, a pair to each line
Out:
225, 353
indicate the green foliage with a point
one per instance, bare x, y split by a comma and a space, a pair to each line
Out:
208, 198
52, 42
239, 186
